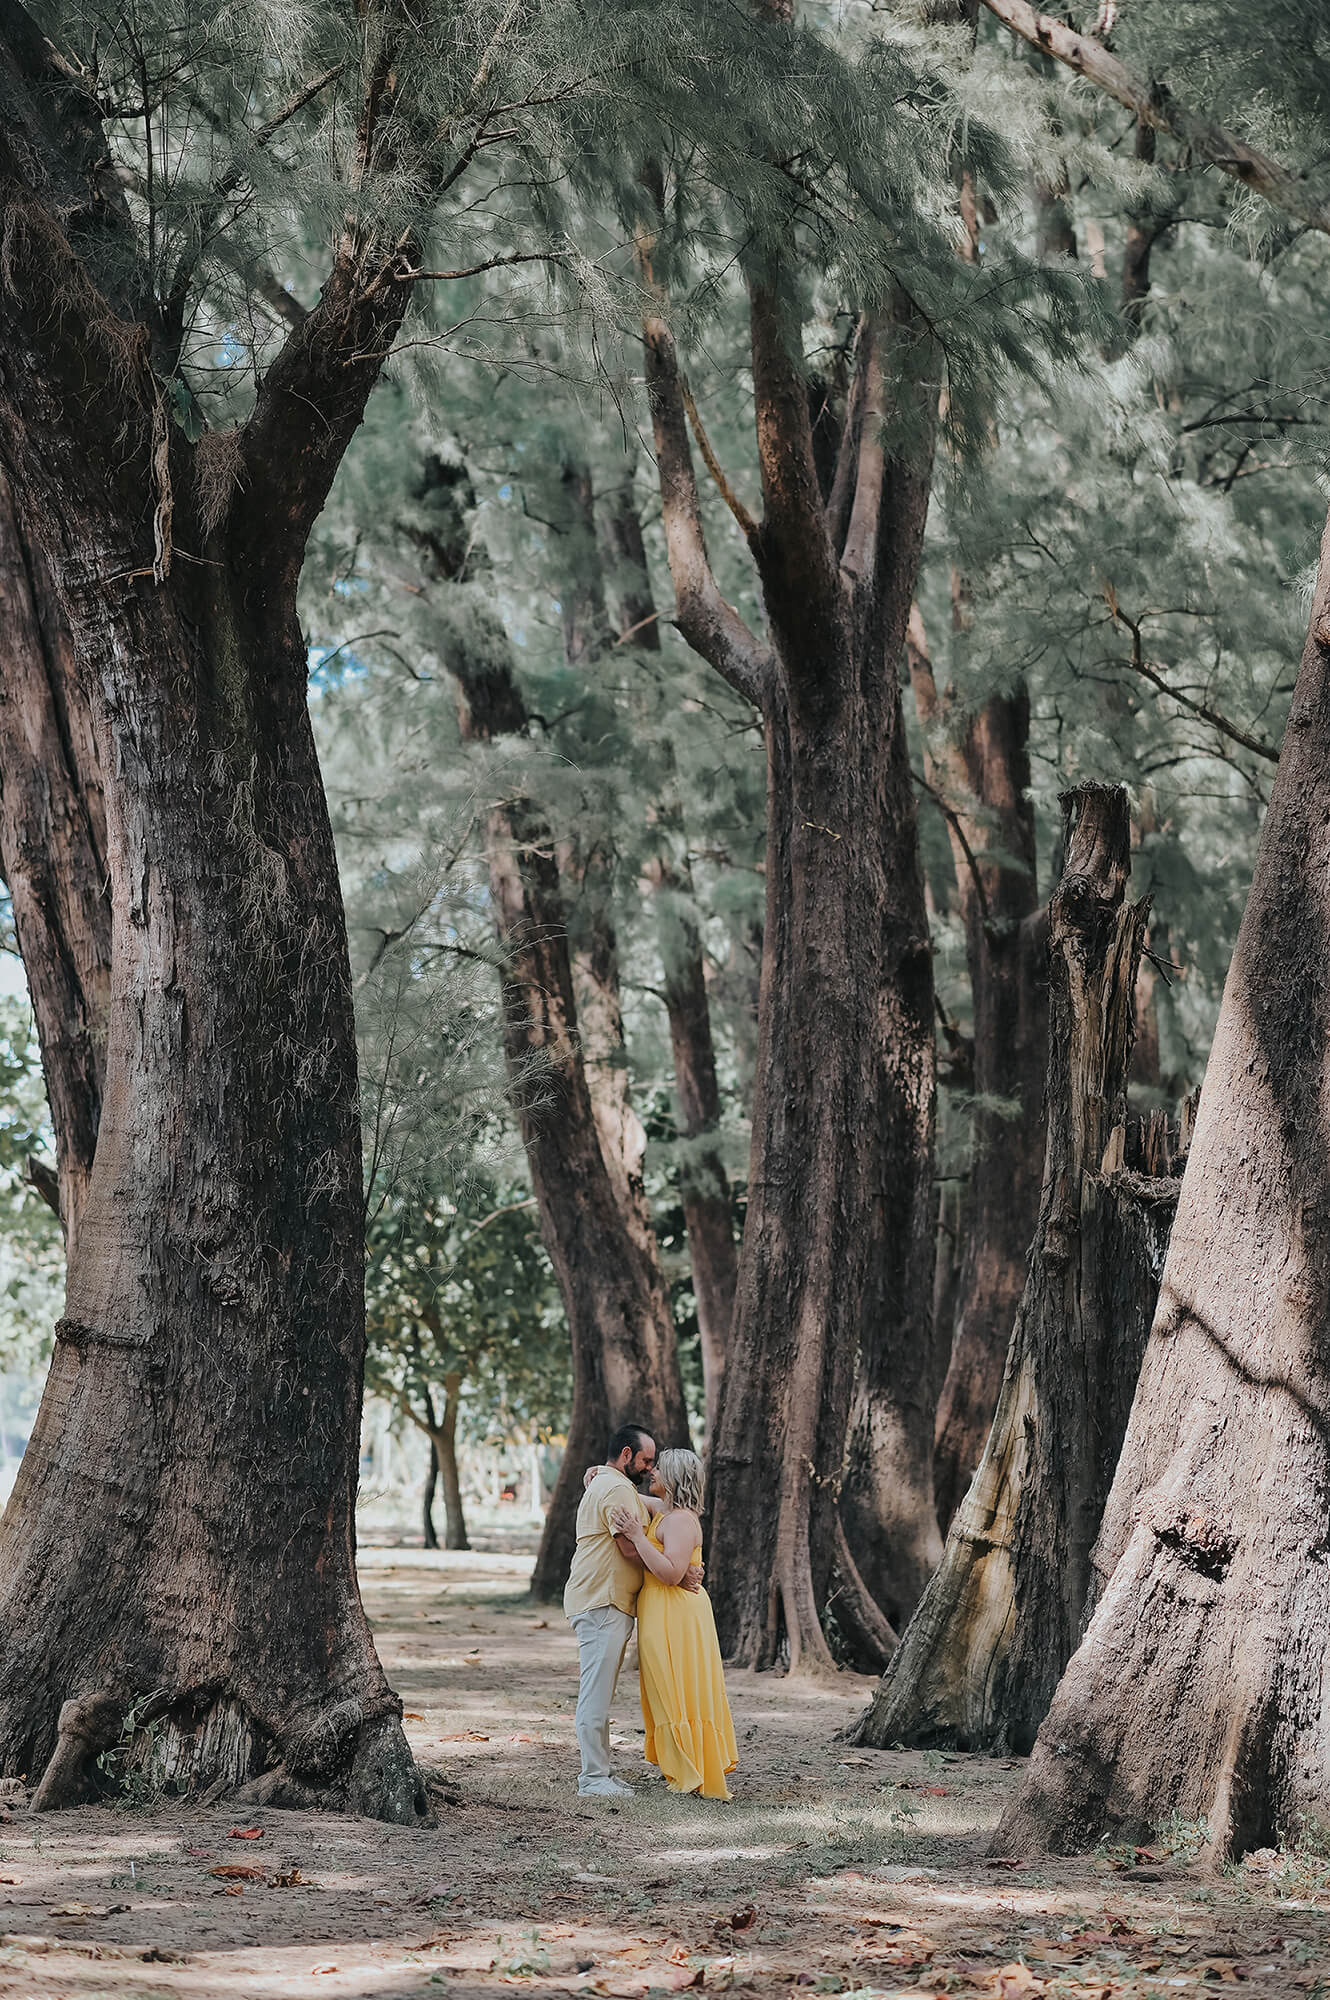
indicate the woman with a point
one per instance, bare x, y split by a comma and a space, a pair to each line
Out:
690, 1734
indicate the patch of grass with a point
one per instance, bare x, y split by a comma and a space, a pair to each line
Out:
1182, 1838
523, 1960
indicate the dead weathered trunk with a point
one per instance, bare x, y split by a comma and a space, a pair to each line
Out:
837, 1253
625, 1359
977, 766
704, 1186
53, 850
1199, 1688
979, 1662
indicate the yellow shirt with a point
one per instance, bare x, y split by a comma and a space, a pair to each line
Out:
600, 1574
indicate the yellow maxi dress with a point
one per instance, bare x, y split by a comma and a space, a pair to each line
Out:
689, 1730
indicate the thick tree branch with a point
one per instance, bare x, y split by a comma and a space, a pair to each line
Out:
799, 569
1155, 107
859, 554
709, 623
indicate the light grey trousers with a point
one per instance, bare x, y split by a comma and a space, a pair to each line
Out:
602, 1641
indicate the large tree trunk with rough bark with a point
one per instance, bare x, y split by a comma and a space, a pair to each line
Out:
182, 1526
704, 1185
977, 767
53, 850
979, 1662
625, 1359
1200, 1686
835, 1271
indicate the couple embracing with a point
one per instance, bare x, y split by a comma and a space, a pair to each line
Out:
639, 1554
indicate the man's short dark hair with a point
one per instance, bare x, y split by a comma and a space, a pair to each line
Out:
628, 1437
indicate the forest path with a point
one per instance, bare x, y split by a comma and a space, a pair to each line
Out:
864, 1870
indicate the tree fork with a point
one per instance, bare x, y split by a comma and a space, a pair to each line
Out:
1199, 1686
998, 1622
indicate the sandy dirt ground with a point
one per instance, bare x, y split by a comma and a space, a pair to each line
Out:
832, 1871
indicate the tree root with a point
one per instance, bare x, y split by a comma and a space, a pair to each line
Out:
86, 1728
344, 1758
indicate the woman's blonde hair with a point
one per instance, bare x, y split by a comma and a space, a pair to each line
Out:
680, 1473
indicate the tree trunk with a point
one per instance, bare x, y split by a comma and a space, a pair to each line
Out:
704, 1185
999, 1621
625, 1360
978, 768
430, 1532
444, 1442
182, 1526
53, 851
1199, 1687
837, 1252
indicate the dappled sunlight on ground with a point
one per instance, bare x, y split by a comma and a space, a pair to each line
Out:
832, 1871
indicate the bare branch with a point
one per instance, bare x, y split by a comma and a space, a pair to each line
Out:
1154, 106
1141, 666
409, 277
709, 623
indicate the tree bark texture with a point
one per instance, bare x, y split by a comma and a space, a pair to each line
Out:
977, 767
979, 1662
625, 1359
182, 1524
53, 850
1199, 1687
704, 1185
836, 1265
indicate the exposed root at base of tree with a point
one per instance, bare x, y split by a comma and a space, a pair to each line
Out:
348, 1757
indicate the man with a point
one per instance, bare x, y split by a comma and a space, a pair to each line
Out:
600, 1600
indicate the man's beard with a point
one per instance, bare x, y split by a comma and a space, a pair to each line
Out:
641, 1480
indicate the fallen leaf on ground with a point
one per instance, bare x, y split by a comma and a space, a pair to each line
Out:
236, 1891
290, 1879
541, 1625
465, 1736
245, 1833
12, 1880
1015, 1982
200, 1853
411, 1715
238, 1871
323, 1968
1004, 1861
